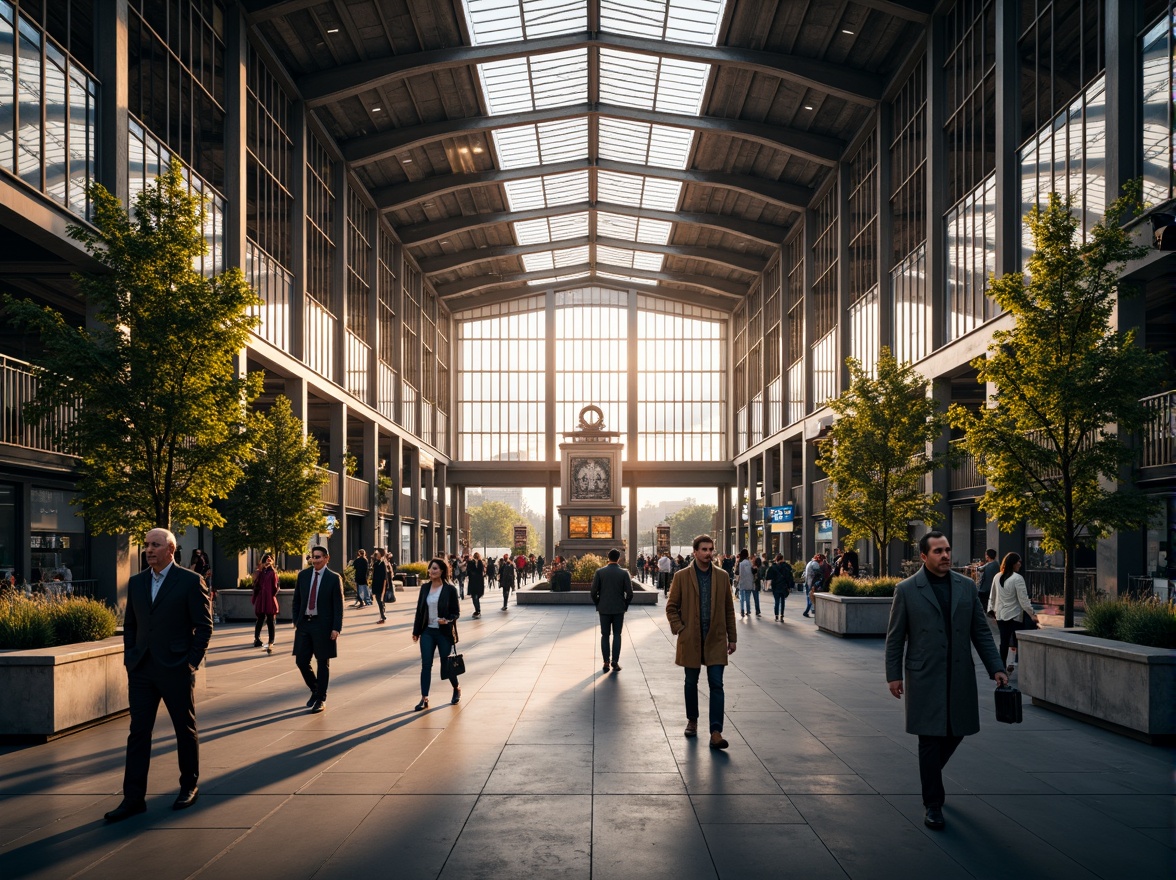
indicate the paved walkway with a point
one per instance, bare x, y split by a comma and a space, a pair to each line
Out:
550, 769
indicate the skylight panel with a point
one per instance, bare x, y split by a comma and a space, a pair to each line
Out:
642, 143
518, 85
527, 146
628, 279
682, 21
555, 259
629, 259
641, 229
651, 83
544, 192
638, 191
501, 21
548, 229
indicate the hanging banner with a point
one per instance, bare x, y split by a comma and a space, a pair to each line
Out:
520, 536
663, 539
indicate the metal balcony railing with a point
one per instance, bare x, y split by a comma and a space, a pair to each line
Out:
330, 490
964, 473
820, 495
1159, 434
18, 386
357, 494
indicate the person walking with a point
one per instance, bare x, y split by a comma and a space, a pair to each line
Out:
988, 572
458, 566
611, 591
476, 572
318, 620
665, 569
166, 630
744, 582
813, 579
1010, 604
641, 566
491, 572
781, 582
935, 621
435, 627
506, 579
363, 595
701, 613
381, 582
265, 600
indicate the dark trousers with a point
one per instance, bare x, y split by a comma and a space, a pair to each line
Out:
714, 680
146, 686
1008, 636
613, 622
268, 620
378, 595
505, 594
476, 598
663, 580
433, 639
312, 640
934, 753
780, 599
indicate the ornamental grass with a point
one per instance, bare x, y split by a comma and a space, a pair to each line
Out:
1147, 622
29, 622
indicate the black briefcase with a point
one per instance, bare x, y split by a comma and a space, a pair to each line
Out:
1008, 705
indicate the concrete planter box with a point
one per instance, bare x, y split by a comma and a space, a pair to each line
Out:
48, 692
1127, 688
851, 616
238, 605
540, 595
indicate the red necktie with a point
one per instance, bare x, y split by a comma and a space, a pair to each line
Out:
312, 603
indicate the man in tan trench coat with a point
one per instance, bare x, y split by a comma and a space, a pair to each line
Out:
702, 615
936, 616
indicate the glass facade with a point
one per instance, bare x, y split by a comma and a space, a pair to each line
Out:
1158, 76
971, 260
592, 356
863, 325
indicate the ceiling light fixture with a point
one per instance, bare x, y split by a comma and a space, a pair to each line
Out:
332, 30
406, 161
477, 149
808, 106
847, 31
377, 109
463, 149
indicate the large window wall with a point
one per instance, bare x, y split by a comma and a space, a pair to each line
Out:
794, 299
1158, 75
908, 175
679, 373
824, 293
319, 352
863, 255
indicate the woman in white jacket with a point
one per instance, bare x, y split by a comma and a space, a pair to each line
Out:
1009, 600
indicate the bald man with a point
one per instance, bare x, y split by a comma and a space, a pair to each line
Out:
165, 635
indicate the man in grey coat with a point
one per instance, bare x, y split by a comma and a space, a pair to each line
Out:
612, 591
936, 617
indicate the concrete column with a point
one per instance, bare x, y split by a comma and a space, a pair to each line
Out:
753, 507
413, 462
441, 509
549, 520
110, 61
723, 539
371, 473
396, 493
631, 414
551, 445
808, 453
337, 546
1123, 23
295, 389
941, 478
740, 490
429, 485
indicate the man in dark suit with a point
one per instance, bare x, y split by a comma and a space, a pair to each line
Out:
612, 591
318, 620
166, 630
380, 581
936, 616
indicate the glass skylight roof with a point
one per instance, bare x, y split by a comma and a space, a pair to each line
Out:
614, 256
502, 21
628, 279
552, 228
537, 82
684, 21
645, 144
559, 278
529, 146
638, 191
544, 192
555, 259
642, 229
652, 83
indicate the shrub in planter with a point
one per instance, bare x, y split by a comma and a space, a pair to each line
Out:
420, 569
1147, 622
882, 587
585, 567
877, 588
28, 622
287, 580
798, 571
844, 585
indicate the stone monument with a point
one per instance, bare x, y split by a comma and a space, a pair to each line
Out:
590, 474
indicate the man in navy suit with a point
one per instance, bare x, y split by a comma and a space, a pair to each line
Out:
165, 634
318, 620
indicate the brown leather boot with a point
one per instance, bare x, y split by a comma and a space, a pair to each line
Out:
691, 727
717, 741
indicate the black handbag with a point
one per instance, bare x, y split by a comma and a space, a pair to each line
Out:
456, 660
1008, 705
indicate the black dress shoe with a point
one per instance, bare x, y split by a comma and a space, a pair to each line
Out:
186, 799
125, 810
422, 705
934, 818
311, 701
317, 706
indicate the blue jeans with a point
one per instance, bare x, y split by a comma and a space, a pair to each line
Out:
755, 595
808, 601
434, 638
780, 597
714, 680
745, 601
363, 593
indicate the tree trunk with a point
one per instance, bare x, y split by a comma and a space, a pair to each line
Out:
1068, 584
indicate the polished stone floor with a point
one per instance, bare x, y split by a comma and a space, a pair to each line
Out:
549, 768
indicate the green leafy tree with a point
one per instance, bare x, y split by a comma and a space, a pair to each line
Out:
690, 522
277, 505
160, 417
492, 524
1054, 439
876, 454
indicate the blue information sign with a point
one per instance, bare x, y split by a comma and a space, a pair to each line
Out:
779, 514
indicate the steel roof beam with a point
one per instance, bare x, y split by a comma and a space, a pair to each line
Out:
728, 259
911, 10
328, 86
420, 233
818, 148
474, 299
786, 195
732, 289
